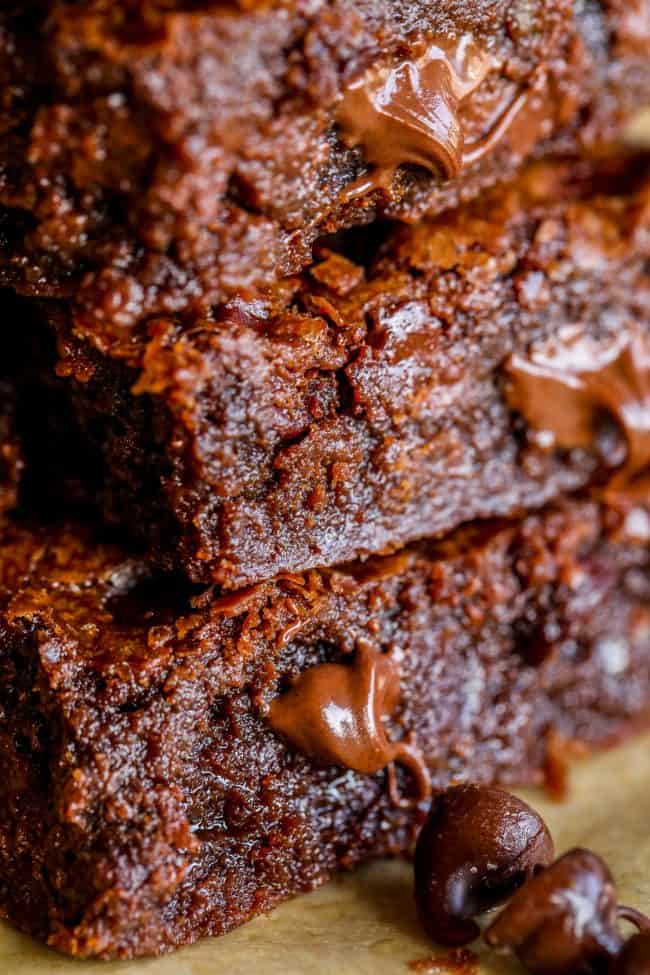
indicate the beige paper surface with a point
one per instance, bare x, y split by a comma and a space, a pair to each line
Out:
365, 924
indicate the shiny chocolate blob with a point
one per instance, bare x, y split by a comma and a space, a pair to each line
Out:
335, 712
565, 387
564, 920
410, 113
477, 847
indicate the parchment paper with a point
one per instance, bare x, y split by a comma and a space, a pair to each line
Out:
365, 924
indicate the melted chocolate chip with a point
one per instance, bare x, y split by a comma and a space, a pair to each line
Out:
564, 920
634, 957
411, 112
565, 387
335, 713
477, 847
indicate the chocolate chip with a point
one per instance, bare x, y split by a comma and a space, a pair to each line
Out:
478, 846
634, 957
564, 921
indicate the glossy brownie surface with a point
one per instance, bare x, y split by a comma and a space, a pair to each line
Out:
159, 157
376, 400
146, 798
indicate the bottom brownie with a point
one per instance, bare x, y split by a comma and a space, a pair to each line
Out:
145, 797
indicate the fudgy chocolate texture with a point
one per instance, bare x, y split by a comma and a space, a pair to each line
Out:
159, 157
145, 799
11, 455
44, 464
372, 404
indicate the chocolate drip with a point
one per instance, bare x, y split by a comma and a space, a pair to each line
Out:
334, 714
564, 388
410, 113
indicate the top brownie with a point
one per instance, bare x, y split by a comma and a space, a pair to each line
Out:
162, 156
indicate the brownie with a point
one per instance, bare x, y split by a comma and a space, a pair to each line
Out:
168, 764
378, 400
162, 156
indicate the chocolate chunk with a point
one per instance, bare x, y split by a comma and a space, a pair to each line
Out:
563, 921
334, 713
477, 847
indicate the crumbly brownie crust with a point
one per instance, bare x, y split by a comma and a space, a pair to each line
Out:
371, 405
159, 157
146, 799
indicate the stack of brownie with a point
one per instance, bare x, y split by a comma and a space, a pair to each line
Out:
324, 435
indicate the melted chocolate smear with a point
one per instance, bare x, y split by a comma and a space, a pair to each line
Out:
410, 113
564, 387
334, 714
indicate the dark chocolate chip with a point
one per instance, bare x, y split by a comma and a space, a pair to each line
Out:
477, 847
634, 957
564, 921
